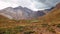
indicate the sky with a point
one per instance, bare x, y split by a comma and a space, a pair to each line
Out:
31, 4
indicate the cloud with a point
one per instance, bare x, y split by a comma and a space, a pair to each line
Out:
46, 3
31, 4
12, 3
3, 5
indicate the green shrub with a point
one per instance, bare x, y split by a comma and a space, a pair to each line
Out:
51, 29
45, 25
4, 31
58, 25
34, 21
19, 28
29, 32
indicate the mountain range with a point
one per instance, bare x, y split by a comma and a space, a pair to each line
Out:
22, 13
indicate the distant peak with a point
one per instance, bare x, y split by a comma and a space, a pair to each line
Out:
18, 7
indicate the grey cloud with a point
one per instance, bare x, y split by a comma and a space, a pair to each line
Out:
47, 3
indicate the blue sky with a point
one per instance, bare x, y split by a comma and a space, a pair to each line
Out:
31, 4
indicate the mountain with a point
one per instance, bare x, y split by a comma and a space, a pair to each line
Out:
8, 12
43, 12
17, 13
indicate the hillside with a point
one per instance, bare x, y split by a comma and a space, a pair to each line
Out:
2, 17
47, 24
53, 16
